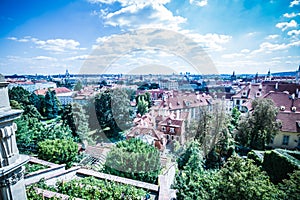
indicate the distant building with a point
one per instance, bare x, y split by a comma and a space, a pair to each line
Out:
289, 115
258, 90
298, 75
31, 86
269, 76
173, 129
144, 129
63, 94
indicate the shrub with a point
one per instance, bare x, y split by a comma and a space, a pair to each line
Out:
278, 164
59, 151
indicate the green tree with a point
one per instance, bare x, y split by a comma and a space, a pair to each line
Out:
59, 151
290, 187
78, 86
114, 112
193, 181
32, 112
242, 179
212, 132
134, 159
36, 101
77, 119
144, 97
15, 105
258, 128
51, 106
142, 106
31, 131
20, 95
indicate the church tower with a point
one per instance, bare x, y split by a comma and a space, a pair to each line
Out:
298, 75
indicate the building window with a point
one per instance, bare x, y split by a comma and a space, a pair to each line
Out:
237, 102
172, 130
163, 129
285, 140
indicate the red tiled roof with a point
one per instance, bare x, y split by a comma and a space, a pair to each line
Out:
57, 90
266, 87
283, 99
290, 121
181, 101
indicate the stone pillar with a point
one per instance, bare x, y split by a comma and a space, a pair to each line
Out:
12, 185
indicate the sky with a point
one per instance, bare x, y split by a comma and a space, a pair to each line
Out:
146, 36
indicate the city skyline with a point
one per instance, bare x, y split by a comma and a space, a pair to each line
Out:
46, 37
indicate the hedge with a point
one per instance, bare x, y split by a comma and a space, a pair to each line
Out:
258, 160
278, 164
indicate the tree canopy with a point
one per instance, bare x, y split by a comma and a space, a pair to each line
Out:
59, 151
113, 112
134, 159
258, 128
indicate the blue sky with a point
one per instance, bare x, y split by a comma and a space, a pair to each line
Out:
245, 36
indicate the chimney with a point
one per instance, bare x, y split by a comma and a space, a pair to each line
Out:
293, 99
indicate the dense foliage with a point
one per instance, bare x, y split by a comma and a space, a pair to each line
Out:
51, 105
31, 131
255, 157
290, 186
59, 151
90, 188
76, 118
278, 165
33, 167
113, 112
134, 159
212, 130
142, 106
254, 132
241, 179
238, 179
19, 94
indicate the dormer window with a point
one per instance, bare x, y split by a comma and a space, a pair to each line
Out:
258, 94
169, 122
294, 108
163, 129
172, 130
282, 108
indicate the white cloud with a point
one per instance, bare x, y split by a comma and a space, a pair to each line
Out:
55, 45
18, 40
294, 32
245, 51
141, 14
200, 3
285, 25
294, 3
58, 45
291, 15
44, 58
271, 37
81, 57
232, 55
268, 47
211, 41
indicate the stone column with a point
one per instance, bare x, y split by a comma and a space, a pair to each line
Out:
12, 185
